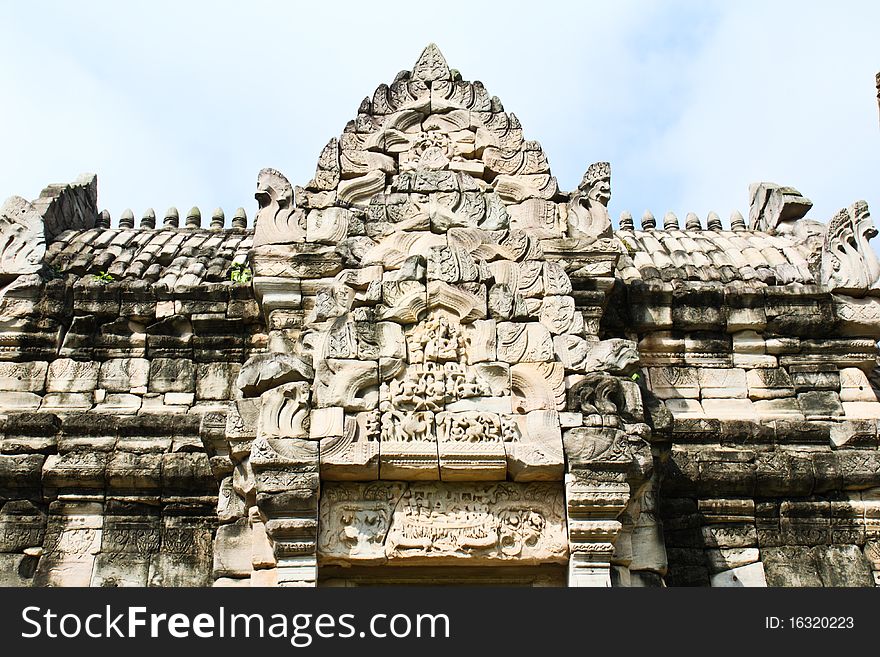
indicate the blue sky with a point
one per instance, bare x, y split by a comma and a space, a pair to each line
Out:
174, 103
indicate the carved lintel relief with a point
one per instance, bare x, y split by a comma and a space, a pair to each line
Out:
421, 523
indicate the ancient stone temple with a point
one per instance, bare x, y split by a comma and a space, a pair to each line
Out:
429, 364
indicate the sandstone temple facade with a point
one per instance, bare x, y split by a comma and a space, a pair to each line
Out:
429, 364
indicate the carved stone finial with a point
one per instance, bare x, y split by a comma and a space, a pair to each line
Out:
148, 220
670, 221
172, 218
276, 220
103, 219
849, 263
431, 65
239, 219
692, 222
626, 220
70, 206
878, 89
23, 238
771, 204
126, 219
194, 218
648, 221
713, 221
218, 219
588, 207
736, 221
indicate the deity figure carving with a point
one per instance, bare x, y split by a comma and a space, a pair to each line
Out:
588, 209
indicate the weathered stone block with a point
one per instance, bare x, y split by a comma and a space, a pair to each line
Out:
134, 471
68, 375
17, 570
22, 526
75, 470
673, 382
172, 375
769, 383
216, 381
186, 471
120, 570
124, 374
726, 383
778, 409
809, 378
20, 470
232, 550
23, 377
730, 408
19, 401
861, 410
751, 575
818, 404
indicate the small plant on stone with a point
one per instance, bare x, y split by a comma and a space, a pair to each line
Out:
103, 277
630, 249
53, 272
240, 273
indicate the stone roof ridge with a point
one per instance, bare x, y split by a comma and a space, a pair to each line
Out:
171, 220
692, 222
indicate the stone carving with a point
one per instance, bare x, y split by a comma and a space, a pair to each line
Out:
596, 394
524, 342
442, 523
849, 263
589, 445
23, 238
277, 221
351, 384
355, 454
431, 65
470, 446
772, 205
616, 356
588, 208
284, 412
265, 371
533, 445
537, 386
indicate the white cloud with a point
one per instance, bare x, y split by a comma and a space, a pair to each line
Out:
183, 103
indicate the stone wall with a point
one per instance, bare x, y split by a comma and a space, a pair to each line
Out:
113, 350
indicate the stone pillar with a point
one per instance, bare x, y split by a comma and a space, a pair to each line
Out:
595, 499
